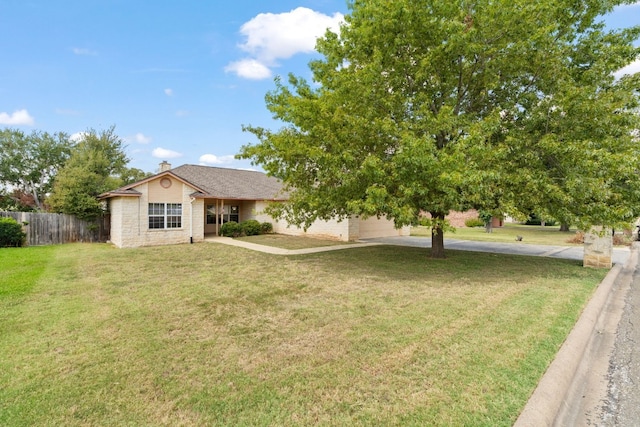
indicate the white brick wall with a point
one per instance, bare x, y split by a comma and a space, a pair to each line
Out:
373, 227
130, 220
346, 230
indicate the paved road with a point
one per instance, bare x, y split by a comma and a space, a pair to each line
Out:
622, 405
620, 255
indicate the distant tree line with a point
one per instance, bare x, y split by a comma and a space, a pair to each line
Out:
53, 173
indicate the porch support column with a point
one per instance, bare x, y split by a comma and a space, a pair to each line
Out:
217, 217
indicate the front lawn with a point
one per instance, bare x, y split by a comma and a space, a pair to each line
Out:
208, 334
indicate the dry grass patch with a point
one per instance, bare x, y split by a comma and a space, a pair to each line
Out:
209, 334
290, 242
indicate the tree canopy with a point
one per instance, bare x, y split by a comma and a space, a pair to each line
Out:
431, 106
97, 164
29, 164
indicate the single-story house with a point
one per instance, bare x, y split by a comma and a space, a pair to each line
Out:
187, 203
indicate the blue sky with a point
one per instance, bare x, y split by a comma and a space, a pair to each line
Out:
178, 79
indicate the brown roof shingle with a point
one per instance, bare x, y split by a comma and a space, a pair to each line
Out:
219, 183
224, 183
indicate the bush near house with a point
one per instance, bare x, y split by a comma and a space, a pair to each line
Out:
11, 233
474, 222
231, 229
250, 227
266, 228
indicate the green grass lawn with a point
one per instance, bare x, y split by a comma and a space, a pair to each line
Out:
208, 334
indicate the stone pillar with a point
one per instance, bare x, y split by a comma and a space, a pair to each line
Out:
598, 248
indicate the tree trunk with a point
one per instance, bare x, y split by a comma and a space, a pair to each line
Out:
437, 235
488, 227
564, 226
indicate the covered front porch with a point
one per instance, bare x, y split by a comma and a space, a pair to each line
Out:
219, 211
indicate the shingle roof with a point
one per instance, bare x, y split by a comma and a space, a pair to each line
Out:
215, 183
223, 183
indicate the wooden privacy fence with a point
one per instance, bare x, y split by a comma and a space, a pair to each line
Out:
52, 228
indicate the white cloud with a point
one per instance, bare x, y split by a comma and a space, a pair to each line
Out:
212, 159
17, 118
163, 153
632, 68
140, 138
182, 113
270, 37
636, 4
168, 92
249, 69
83, 51
78, 136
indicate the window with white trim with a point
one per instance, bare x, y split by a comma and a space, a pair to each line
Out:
165, 215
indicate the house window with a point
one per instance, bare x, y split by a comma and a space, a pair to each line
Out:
211, 214
165, 215
226, 214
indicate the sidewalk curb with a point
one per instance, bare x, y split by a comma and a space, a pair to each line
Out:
549, 401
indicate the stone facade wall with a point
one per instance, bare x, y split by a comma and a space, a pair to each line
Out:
346, 230
598, 248
115, 208
379, 227
130, 219
457, 219
322, 229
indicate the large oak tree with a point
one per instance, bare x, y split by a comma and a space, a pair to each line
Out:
432, 106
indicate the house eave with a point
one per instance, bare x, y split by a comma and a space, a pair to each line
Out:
116, 193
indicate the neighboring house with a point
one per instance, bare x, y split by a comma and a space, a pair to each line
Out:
189, 202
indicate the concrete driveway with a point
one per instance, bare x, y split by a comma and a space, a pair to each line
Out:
620, 255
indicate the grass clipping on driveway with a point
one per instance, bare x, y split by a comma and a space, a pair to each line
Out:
208, 334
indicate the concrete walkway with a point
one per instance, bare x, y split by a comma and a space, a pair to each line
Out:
280, 251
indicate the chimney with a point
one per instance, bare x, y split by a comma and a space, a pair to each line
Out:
165, 166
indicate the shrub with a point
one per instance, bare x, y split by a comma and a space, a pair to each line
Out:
266, 228
485, 217
621, 239
618, 239
474, 222
424, 221
577, 238
251, 227
231, 229
11, 233
536, 220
